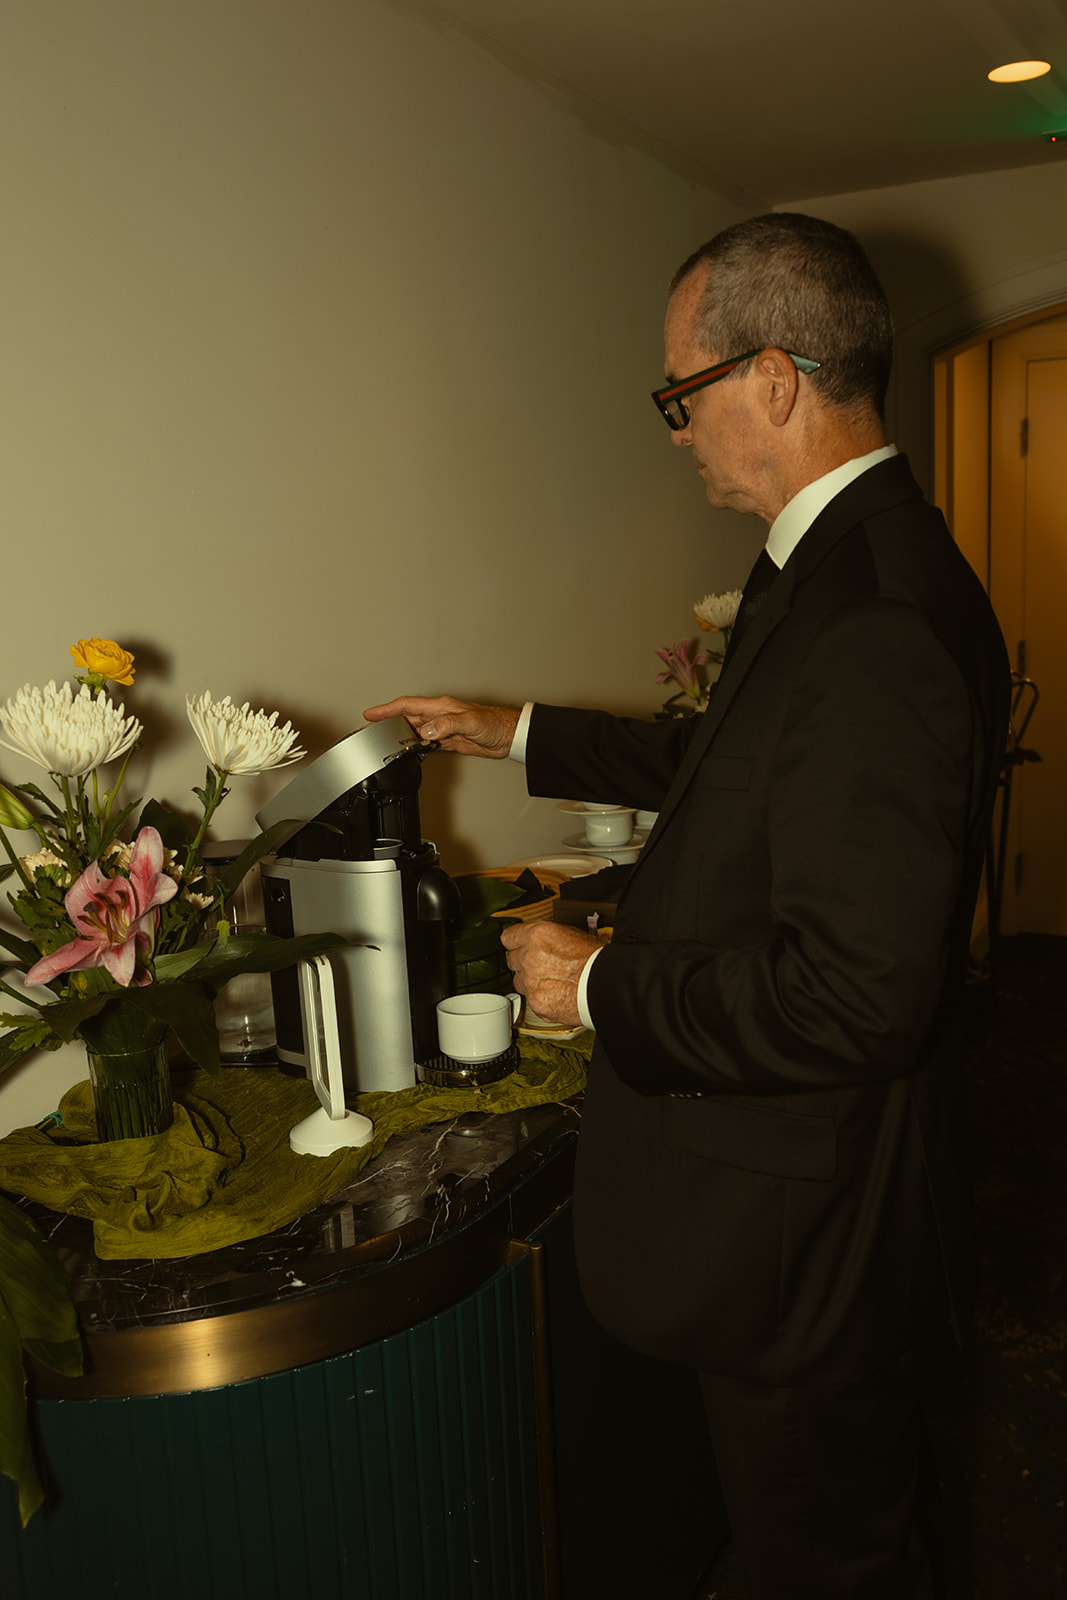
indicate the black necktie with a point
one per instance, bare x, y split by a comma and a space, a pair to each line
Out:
759, 581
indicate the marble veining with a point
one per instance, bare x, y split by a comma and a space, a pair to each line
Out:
426, 1184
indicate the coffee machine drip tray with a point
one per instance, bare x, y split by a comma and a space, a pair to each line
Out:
445, 1073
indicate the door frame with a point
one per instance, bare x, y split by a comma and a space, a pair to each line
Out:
966, 503
962, 374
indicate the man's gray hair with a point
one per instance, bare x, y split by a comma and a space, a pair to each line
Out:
800, 284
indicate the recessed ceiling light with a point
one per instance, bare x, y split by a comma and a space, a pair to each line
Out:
1019, 71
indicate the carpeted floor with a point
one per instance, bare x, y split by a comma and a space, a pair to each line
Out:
1008, 1424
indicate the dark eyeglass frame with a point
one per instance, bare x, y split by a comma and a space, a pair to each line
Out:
669, 401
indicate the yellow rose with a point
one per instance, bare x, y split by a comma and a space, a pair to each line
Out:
103, 658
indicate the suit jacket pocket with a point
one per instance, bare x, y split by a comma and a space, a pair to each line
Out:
724, 772
777, 1144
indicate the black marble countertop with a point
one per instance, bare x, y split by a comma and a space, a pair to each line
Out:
426, 1186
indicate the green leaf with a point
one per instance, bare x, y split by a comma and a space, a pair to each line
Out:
481, 896
33, 1284
14, 1046
188, 1009
64, 1355
119, 1028
170, 825
19, 947
260, 952
29, 1033
99, 835
43, 911
209, 796
190, 1015
16, 1455
67, 1016
13, 813
254, 851
180, 924
169, 968
38, 794
481, 940
36, 1314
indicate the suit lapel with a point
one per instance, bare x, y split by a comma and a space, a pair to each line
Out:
775, 606
875, 491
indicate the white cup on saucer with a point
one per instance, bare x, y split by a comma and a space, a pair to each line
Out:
476, 1027
609, 827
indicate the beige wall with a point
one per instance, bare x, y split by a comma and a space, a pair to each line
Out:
328, 336
328, 339
956, 255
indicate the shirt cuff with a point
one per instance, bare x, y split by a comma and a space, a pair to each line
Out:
583, 984
518, 743
517, 752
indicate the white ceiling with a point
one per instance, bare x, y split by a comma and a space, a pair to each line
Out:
779, 100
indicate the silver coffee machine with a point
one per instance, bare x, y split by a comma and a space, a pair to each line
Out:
355, 864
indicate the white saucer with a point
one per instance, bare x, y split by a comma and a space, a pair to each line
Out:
557, 1035
582, 808
617, 853
571, 865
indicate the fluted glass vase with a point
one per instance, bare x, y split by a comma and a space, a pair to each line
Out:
131, 1091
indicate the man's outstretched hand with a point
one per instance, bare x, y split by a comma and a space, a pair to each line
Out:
458, 725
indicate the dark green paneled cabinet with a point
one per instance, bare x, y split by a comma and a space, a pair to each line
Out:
502, 1449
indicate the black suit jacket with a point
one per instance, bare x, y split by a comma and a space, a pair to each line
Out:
768, 1176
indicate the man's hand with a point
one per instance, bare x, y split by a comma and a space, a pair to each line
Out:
547, 959
458, 725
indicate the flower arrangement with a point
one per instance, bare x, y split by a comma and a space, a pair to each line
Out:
116, 927
129, 936
716, 613
691, 696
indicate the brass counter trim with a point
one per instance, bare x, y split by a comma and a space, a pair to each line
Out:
544, 1425
212, 1351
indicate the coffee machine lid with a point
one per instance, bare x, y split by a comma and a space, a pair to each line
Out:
352, 761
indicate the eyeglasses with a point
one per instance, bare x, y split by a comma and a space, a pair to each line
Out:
670, 401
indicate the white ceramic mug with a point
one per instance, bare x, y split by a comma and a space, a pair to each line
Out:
609, 827
476, 1027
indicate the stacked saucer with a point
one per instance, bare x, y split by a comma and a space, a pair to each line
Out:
612, 832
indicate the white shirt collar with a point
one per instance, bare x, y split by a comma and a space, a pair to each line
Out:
794, 519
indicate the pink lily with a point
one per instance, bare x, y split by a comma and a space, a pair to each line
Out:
679, 668
115, 917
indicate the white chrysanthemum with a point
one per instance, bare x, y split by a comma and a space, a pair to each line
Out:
718, 611
119, 851
200, 901
68, 734
44, 858
239, 740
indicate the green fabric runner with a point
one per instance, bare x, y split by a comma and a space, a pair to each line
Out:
224, 1171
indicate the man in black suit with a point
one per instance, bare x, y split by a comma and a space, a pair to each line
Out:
769, 1188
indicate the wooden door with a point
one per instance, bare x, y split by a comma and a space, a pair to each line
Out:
1028, 587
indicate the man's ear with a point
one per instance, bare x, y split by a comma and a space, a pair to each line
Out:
780, 384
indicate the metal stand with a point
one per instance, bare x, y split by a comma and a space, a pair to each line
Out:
1024, 699
332, 1127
